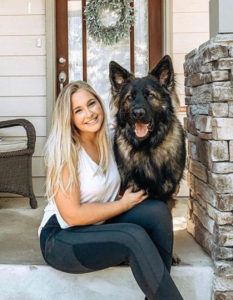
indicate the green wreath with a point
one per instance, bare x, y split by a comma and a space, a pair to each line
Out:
109, 34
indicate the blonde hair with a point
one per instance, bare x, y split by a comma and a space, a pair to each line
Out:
63, 144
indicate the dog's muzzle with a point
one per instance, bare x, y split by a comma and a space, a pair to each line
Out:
142, 126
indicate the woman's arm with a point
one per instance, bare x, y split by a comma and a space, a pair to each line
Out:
76, 213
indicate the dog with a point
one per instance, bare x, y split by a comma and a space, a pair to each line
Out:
149, 142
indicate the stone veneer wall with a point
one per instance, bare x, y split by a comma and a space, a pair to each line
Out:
209, 126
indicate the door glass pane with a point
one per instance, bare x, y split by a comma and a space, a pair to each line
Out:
75, 40
141, 47
98, 58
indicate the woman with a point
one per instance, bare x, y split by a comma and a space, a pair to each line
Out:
83, 228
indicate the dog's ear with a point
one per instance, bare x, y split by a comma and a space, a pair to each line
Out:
164, 73
118, 75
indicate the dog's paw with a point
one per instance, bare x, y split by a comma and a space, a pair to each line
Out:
175, 259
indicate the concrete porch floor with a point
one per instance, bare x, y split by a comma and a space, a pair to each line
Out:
24, 274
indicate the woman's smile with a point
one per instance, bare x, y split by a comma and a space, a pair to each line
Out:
92, 121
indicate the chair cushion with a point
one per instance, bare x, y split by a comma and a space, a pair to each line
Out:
8, 145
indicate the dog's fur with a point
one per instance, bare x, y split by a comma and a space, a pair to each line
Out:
149, 142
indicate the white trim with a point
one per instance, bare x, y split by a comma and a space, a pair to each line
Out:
213, 18
168, 27
50, 60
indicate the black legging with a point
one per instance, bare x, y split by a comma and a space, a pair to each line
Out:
142, 236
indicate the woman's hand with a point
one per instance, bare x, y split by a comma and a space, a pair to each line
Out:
130, 199
176, 191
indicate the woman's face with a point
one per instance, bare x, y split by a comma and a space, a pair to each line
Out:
87, 113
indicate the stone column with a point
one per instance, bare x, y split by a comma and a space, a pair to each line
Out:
209, 126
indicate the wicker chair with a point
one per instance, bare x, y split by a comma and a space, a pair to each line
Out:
16, 165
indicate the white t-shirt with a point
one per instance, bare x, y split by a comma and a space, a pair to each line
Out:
94, 187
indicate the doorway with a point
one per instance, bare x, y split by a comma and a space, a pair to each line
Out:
80, 57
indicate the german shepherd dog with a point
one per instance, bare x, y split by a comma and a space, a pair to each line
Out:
149, 143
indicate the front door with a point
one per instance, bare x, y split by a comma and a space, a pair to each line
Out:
80, 57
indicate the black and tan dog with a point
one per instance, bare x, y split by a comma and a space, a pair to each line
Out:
149, 140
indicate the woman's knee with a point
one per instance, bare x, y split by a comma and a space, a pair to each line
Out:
133, 234
158, 222
157, 211
132, 229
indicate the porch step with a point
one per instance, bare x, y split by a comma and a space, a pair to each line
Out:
24, 274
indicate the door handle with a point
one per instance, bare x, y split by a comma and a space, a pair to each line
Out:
62, 78
62, 60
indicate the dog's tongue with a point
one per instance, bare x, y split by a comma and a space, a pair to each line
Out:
141, 129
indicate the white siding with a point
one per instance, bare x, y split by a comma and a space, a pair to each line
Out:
22, 45
197, 22
23, 74
18, 86
22, 25
29, 106
190, 6
190, 30
22, 65
22, 7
